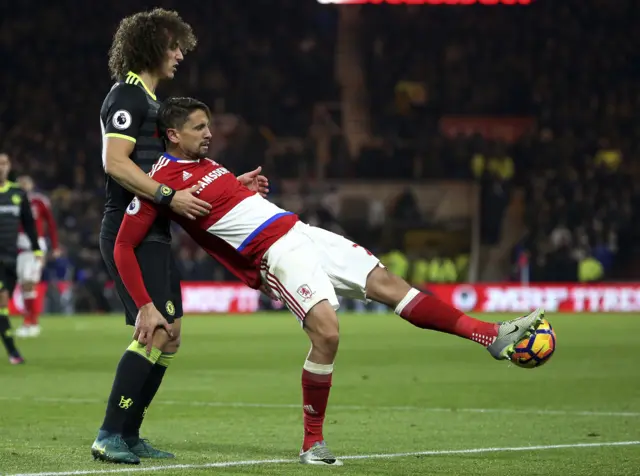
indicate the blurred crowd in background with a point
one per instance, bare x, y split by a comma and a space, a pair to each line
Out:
315, 92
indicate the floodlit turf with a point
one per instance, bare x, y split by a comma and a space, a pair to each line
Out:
233, 395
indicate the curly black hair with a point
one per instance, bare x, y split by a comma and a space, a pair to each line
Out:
141, 41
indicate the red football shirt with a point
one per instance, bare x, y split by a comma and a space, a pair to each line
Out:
239, 229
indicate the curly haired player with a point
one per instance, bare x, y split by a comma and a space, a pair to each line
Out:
147, 49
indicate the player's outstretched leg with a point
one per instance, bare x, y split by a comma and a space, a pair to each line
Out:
321, 325
428, 312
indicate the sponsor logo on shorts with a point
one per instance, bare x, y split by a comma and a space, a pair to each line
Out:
305, 292
171, 309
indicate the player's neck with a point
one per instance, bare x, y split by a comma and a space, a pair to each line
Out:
150, 80
180, 155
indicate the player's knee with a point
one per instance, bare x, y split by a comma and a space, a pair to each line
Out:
161, 339
385, 287
321, 324
173, 345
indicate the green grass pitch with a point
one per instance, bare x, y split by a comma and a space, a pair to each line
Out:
230, 403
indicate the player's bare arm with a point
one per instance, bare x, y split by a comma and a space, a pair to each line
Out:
119, 166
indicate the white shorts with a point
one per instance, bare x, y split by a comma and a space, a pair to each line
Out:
309, 265
29, 268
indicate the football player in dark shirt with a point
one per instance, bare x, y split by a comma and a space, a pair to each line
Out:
15, 210
147, 49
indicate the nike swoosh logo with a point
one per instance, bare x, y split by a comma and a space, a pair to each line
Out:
514, 331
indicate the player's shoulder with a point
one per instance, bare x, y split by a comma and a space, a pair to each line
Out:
125, 95
164, 168
12, 189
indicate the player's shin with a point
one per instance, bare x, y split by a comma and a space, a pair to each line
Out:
131, 430
428, 312
424, 310
30, 314
132, 373
321, 325
316, 384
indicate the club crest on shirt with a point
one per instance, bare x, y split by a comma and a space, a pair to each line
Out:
305, 292
134, 206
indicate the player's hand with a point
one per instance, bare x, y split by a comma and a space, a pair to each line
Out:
255, 182
186, 204
148, 320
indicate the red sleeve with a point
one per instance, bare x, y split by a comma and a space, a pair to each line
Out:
135, 226
45, 212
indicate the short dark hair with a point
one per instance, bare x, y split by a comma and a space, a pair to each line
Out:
175, 112
141, 41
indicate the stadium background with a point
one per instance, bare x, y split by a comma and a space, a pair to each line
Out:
481, 144
483, 152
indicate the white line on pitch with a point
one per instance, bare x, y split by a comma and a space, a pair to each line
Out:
227, 464
408, 408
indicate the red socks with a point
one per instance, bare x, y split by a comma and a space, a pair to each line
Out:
427, 312
316, 383
30, 311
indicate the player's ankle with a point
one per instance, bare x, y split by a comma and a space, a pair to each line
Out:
311, 440
131, 440
102, 434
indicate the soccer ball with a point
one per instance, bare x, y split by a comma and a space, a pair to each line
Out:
537, 349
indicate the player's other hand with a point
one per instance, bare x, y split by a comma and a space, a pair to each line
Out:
255, 182
148, 320
186, 204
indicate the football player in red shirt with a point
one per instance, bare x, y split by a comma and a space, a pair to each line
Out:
29, 269
304, 266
